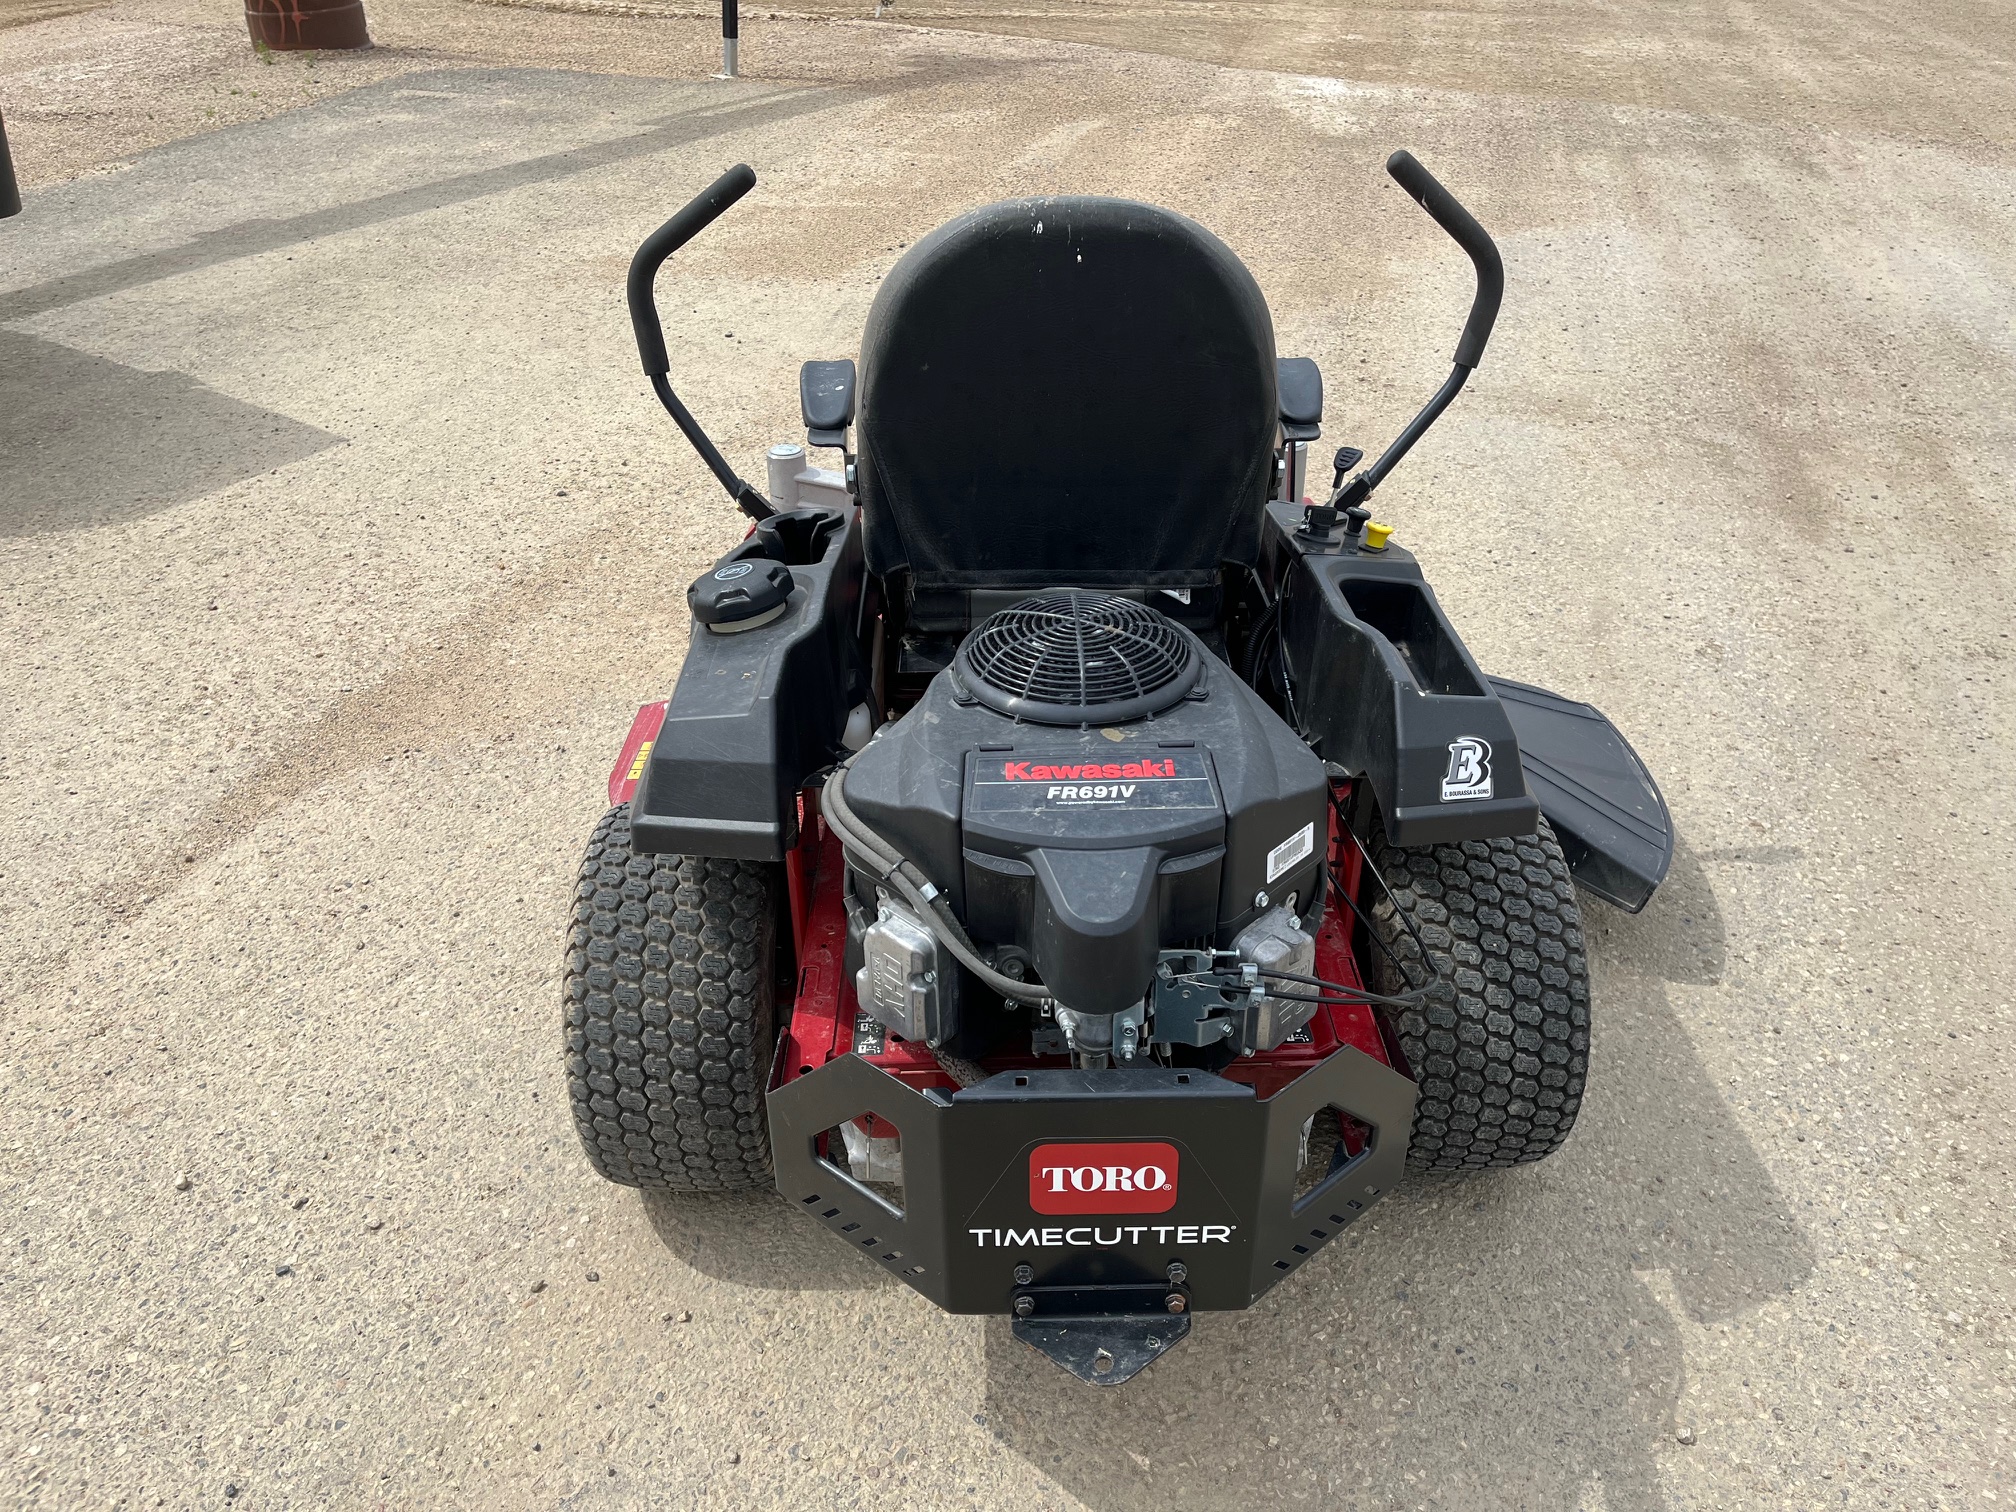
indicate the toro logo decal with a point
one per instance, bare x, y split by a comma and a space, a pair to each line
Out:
1102, 1178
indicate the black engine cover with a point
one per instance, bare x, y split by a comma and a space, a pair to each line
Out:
1093, 848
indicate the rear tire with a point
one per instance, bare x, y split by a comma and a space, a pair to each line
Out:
1500, 1048
670, 1014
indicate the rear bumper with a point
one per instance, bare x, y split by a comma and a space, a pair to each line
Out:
970, 1213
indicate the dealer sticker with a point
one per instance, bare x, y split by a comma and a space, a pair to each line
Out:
1291, 852
1469, 774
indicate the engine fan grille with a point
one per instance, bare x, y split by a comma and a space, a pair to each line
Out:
1070, 657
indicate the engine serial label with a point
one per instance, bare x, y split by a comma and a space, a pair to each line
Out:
1163, 780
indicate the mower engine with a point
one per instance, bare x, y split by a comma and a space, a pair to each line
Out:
1111, 813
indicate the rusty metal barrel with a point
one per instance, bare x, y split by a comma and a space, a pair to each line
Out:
307, 25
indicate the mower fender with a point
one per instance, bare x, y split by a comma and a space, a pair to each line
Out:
1387, 691
754, 713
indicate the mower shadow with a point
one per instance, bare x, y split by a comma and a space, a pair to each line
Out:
1680, 937
92, 442
1498, 1340
752, 1239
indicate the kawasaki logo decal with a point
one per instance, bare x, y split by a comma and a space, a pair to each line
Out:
1052, 783
1090, 771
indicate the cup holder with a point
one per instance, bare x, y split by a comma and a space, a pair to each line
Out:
798, 537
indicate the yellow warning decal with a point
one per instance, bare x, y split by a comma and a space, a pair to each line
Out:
637, 766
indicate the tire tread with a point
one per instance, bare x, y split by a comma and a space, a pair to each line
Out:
670, 1014
1500, 1051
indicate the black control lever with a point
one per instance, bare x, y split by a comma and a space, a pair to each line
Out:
1474, 239
705, 208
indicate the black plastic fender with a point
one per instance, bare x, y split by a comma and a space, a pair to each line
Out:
1386, 690
757, 711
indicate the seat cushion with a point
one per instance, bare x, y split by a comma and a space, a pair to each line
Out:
1066, 390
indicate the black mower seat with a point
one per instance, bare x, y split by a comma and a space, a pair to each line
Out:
1066, 391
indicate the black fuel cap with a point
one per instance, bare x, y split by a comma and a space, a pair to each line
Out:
740, 595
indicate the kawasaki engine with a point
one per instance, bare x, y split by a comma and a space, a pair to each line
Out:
1111, 844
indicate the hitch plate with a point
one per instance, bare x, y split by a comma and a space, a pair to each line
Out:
970, 1234
1104, 1351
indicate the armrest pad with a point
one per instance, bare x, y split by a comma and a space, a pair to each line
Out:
1299, 382
826, 399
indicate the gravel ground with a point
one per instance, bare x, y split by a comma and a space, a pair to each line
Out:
339, 538
21, 12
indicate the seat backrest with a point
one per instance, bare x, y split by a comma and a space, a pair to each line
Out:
1066, 390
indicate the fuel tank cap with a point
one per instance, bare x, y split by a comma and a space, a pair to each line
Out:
740, 595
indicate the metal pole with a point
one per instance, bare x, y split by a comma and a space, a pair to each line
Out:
10, 192
731, 37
